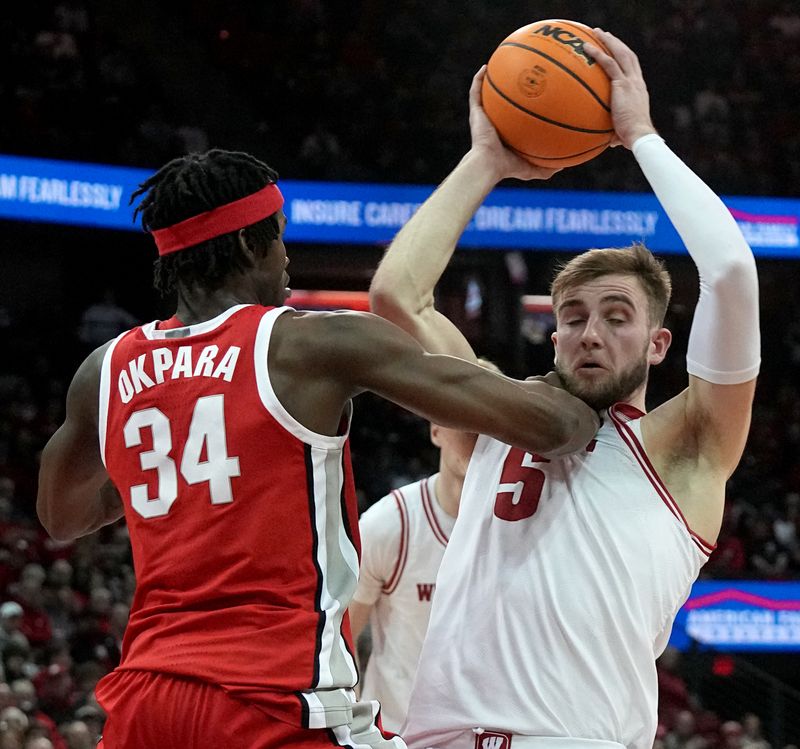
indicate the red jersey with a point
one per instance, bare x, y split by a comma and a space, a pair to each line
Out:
243, 523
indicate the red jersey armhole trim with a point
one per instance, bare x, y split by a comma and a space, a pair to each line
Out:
639, 453
402, 555
430, 514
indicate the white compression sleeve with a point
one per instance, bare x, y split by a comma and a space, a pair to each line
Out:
725, 341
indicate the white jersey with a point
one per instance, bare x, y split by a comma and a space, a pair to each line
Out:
556, 594
403, 538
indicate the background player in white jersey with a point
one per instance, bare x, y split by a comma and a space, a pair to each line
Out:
562, 577
403, 538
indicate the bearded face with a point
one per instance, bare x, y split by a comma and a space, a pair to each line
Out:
600, 388
605, 341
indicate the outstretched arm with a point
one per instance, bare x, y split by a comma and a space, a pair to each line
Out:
75, 494
712, 417
353, 352
403, 286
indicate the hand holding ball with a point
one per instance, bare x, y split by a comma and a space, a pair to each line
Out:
548, 99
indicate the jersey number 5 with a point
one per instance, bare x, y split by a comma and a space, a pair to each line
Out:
520, 487
207, 428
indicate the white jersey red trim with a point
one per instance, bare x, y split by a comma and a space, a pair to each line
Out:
430, 514
620, 414
403, 540
556, 594
402, 555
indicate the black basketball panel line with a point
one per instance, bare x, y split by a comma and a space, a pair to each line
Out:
540, 116
563, 67
525, 154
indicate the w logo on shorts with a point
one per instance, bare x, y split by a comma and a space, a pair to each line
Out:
493, 740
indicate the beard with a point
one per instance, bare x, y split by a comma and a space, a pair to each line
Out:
602, 395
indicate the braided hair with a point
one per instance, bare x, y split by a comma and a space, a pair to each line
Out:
194, 184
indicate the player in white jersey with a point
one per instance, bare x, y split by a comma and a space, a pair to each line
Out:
403, 538
562, 578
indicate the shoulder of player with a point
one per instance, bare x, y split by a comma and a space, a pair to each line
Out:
296, 329
327, 320
323, 341
84, 390
341, 323
393, 509
88, 373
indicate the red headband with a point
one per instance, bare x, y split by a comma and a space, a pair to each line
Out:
220, 220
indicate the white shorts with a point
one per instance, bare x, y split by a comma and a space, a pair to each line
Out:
487, 739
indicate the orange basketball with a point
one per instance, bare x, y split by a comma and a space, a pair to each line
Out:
549, 100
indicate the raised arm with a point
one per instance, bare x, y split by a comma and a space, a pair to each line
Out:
709, 421
75, 495
403, 286
723, 355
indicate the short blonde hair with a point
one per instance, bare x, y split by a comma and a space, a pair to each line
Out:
635, 260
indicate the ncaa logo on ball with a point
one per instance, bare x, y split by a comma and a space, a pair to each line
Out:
567, 38
532, 81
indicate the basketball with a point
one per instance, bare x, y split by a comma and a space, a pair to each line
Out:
548, 99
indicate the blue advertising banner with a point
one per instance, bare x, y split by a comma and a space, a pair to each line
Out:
357, 213
737, 615
67, 192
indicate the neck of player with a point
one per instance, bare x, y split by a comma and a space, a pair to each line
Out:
196, 305
447, 490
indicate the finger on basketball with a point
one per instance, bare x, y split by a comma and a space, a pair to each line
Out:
605, 61
623, 55
630, 60
475, 88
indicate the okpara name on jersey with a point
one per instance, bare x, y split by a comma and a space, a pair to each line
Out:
149, 370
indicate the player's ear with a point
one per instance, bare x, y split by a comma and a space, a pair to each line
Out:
436, 435
247, 250
660, 340
554, 339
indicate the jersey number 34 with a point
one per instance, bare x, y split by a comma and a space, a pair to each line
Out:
207, 429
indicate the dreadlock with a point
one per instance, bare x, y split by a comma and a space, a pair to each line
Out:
191, 185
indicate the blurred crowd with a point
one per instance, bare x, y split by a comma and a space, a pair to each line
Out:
685, 723
350, 90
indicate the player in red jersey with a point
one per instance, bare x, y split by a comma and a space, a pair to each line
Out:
221, 435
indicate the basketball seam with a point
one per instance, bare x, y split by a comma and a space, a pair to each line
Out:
563, 67
542, 117
559, 158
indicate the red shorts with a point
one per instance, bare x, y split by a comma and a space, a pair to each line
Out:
147, 710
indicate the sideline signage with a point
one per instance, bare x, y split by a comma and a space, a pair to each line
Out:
738, 615
68, 192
